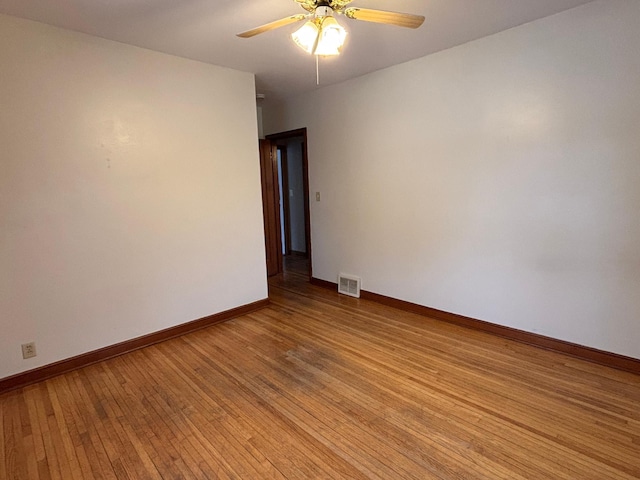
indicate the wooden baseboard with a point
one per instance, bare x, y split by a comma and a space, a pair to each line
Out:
325, 284
601, 357
47, 371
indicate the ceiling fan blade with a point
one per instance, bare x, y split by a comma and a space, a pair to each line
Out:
381, 16
272, 25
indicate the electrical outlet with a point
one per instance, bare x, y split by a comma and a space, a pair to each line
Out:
29, 350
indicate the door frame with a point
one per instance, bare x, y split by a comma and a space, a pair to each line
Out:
270, 207
279, 137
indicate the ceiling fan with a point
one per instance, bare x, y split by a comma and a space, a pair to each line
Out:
322, 35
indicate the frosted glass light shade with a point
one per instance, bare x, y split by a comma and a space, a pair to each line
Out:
306, 36
323, 36
332, 37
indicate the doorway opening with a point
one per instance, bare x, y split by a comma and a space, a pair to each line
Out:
291, 222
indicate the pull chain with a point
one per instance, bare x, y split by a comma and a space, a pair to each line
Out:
317, 69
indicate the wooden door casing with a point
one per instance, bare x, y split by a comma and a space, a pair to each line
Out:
271, 206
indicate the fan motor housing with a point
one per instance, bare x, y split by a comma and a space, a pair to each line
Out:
324, 11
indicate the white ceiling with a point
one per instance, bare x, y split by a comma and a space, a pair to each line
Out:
205, 30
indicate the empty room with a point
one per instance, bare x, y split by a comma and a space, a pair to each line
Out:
300, 239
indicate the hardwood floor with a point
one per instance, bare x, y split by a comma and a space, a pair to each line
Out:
326, 386
296, 264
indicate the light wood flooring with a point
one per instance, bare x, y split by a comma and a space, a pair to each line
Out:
326, 386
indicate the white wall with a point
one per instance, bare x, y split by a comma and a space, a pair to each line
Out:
296, 186
259, 116
123, 174
498, 180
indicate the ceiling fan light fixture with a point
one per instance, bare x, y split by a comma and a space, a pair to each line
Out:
331, 37
306, 36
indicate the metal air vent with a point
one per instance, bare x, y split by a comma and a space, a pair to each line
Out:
349, 285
